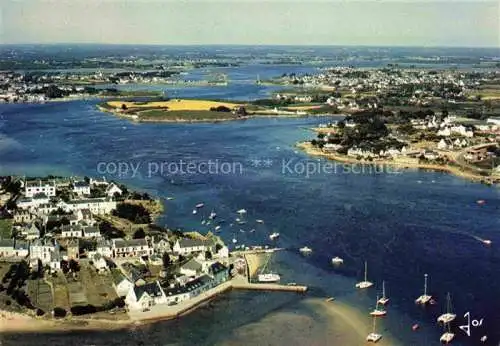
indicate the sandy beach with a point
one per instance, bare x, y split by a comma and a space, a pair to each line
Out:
312, 321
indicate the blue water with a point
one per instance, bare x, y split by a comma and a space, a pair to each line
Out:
404, 223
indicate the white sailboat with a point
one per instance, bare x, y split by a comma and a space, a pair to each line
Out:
268, 277
447, 336
424, 298
365, 283
448, 316
241, 211
374, 336
378, 311
200, 205
212, 215
384, 300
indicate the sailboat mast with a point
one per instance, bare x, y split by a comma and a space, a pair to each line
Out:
366, 270
383, 289
425, 284
374, 319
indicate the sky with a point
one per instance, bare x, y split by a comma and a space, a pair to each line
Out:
473, 23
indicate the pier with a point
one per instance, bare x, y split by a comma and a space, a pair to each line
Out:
268, 287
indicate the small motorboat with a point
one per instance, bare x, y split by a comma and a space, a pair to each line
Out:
213, 215
235, 240
486, 242
259, 221
252, 230
203, 222
194, 211
330, 299
170, 198
269, 277
200, 205
241, 211
337, 260
242, 230
481, 201
415, 327
217, 228
274, 236
237, 219
305, 250
484, 338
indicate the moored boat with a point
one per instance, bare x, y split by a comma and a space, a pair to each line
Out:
384, 299
274, 235
337, 260
378, 311
374, 336
424, 298
448, 316
365, 283
200, 205
305, 250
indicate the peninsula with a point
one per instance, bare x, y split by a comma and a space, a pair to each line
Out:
82, 253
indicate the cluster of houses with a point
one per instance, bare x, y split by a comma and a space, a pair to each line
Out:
197, 275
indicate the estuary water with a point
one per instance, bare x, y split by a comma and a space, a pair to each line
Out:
404, 223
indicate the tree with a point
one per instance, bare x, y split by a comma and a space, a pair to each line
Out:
73, 266
139, 234
124, 107
208, 255
166, 260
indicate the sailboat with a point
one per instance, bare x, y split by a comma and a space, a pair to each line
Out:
378, 311
447, 335
384, 300
448, 316
365, 283
212, 215
267, 277
425, 298
374, 336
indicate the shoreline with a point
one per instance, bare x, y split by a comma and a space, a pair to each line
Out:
310, 150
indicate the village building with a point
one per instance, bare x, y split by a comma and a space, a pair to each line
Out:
97, 206
186, 246
30, 232
191, 268
121, 284
13, 248
131, 248
91, 232
24, 216
145, 296
112, 190
31, 188
81, 188
71, 231
104, 247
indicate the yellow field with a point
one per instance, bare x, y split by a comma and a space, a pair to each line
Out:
175, 105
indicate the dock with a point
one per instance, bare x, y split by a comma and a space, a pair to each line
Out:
269, 287
256, 251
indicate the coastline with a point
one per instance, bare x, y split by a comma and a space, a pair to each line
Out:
309, 149
219, 120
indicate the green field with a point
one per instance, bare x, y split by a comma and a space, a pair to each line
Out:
5, 228
159, 115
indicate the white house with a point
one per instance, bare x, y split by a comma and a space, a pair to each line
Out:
145, 296
97, 206
445, 132
191, 268
13, 248
91, 232
495, 121
122, 284
187, 246
104, 248
131, 248
223, 252
113, 189
32, 202
32, 188
69, 231
42, 249
81, 188
442, 144
98, 261
161, 246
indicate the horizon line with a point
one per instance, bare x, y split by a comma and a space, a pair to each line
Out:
241, 45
